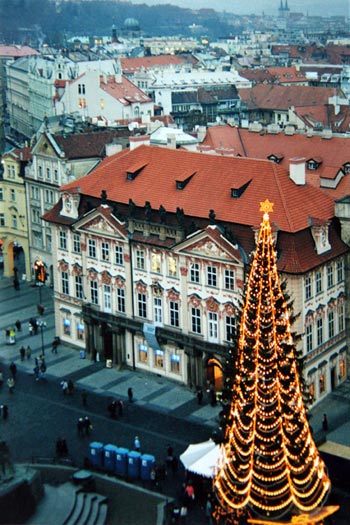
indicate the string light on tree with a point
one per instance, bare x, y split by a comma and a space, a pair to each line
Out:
269, 464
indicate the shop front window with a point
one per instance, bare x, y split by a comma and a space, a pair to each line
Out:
159, 358
80, 331
143, 354
66, 326
175, 363
322, 383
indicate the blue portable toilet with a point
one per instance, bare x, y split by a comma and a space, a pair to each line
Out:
147, 463
96, 454
109, 454
134, 464
121, 461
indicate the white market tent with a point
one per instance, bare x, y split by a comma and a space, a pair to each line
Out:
201, 458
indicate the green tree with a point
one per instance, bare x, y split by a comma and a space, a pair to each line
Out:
270, 465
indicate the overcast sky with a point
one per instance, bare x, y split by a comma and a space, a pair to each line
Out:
312, 7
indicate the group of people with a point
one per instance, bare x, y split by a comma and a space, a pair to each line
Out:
67, 387
114, 407
84, 426
33, 326
40, 367
61, 448
25, 352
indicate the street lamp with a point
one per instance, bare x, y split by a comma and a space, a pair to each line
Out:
42, 325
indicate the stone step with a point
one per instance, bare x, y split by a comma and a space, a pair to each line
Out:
94, 517
77, 510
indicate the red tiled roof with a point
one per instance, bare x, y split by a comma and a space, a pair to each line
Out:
131, 65
334, 152
17, 51
124, 91
88, 145
286, 74
210, 187
24, 154
274, 97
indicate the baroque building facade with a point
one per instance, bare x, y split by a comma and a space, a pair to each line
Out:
151, 252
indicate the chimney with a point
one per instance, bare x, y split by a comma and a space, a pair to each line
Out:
141, 140
171, 141
201, 133
297, 170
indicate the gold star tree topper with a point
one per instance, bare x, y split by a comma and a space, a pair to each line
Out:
267, 207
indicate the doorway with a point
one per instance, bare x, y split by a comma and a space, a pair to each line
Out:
214, 374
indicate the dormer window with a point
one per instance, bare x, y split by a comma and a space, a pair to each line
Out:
347, 167
313, 164
182, 182
237, 192
134, 171
277, 158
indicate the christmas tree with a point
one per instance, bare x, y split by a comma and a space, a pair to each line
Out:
269, 464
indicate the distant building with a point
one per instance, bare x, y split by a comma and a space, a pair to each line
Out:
13, 212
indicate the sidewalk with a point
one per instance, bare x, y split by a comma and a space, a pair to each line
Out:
152, 391
156, 392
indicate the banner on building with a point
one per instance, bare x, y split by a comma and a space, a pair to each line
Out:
149, 331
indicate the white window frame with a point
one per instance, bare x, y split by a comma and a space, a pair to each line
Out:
107, 298
65, 282
194, 273
174, 314
119, 255
121, 300
94, 292
196, 320
158, 310
212, 276
229, 279
213, 327
92, 250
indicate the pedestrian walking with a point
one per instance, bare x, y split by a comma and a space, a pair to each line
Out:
70, 387
4, 411
54, 345
189, 495
36, 371
137, 444
130, 394
199, 396
112, 409
22, 353
28, 352
18, 325
84, 398
325, 422
174, 465
64, 447
16, 284
169, 457
209, 510
13, 370
42, 369
87, 425
64, 386
11, 384
30, 328
80, 426
120, 407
